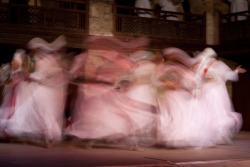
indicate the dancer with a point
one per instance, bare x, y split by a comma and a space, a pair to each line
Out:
137, 86
12, 88
203, 116
174, 82
220, 121
111, 115
96, 95
40, 116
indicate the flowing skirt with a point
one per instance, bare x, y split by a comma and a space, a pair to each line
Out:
39, 115
112, 116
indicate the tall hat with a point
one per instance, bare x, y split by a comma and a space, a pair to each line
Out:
205, 54
39, 43
209, 52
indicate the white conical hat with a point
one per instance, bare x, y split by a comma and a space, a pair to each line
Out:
205, 54
209, 52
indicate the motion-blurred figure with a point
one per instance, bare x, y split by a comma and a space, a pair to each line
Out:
40, 116
218, 121
12, 88
174, 82
104, 110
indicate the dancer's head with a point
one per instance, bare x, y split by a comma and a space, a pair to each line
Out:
205, 55
17, 59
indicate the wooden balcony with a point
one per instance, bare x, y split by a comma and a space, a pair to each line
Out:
20, 23
235, 36
235, 27
164, 28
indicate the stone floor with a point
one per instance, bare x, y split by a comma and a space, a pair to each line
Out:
236, 154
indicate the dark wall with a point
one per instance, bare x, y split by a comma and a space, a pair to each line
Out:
6, 52
130, 3
241, 98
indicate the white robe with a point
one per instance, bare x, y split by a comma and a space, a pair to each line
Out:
11, 98
174, 103
167, 5
40, 115
218, 122
143, 4
115, 114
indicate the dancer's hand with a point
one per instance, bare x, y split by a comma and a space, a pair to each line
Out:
239, 69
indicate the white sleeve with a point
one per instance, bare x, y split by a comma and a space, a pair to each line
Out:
231, 75
227, 72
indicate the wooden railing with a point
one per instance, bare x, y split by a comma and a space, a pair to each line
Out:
234, 27
162, 24
171, 27
20, 23
43, 16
